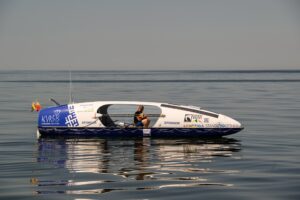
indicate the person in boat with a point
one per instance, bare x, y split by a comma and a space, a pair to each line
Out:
140, 119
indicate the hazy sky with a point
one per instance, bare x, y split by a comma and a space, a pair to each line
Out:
149, 34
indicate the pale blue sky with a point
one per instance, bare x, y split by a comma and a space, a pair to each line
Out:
149, 34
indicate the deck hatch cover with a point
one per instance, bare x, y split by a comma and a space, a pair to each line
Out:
190, 110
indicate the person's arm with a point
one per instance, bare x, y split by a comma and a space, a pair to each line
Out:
144, 116
140, 116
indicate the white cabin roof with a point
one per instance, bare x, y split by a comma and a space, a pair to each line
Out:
158, 104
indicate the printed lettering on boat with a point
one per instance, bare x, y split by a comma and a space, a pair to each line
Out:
52, 119
170, 122
146, 132
71, 119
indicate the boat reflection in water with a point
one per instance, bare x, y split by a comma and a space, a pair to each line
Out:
92, 166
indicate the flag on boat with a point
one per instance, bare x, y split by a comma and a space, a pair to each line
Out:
36, 106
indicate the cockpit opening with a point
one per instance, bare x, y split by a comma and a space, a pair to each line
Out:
128, 116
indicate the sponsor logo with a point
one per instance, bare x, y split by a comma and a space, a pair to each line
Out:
193, 126
220, 125
85, 108
71, 119
170, 122
51, 119
192, 118
147, 132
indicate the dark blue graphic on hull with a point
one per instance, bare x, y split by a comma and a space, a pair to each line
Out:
134, 132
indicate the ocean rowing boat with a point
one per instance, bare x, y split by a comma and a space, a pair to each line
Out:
169, 120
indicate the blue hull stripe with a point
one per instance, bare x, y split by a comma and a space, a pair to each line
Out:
134, 132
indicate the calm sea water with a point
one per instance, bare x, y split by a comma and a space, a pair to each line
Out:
261, 162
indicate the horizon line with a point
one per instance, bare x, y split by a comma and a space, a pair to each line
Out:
159, 70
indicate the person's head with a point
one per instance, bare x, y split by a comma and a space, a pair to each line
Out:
140, 108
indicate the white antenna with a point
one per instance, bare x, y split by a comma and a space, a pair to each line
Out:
70, 88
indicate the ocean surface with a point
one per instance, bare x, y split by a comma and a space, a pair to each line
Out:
261, 162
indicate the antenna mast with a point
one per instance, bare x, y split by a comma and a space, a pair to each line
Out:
70, 88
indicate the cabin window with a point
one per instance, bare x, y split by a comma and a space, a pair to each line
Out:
119, 115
